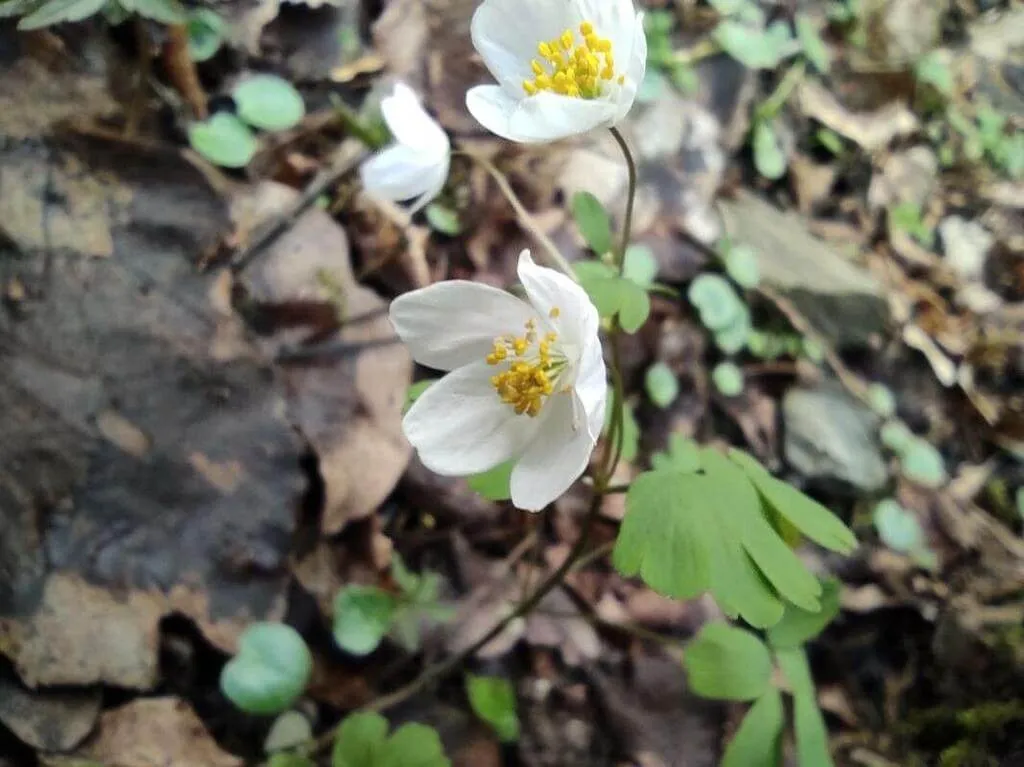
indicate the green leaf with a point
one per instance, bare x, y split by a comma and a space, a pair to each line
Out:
715, 299
593, 221
661, 384
728, 7
897, 527
443, 219
811, 734
634, 305
727, 663
881, 400
798, 626
289, 730
681, 536
270, 670
10, 8
494, 485
769, 158
223, 140
810, 517
56, 11
814, 47
413, 745
733, 337
896, 436
601, 283
362, 617
415, 390
640, 265
922, 463
756, 742
290, 760
408, 582
933, 68
205, 33
728, 379
743, 514
682, 455
268, 102
494, 700
742, 265
360, 741
830, 140
753, 47
164, 11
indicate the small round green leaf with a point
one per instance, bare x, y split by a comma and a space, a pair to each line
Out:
443, 219
205, 33
814, 47
270, 670
769, 158
733, 337
640, 265
881, 400
360, 741
494, 700
634, 305
289, 730
727, 663
223, 140
413, 745
897, 527
896, 436
920, 462
661, 384
268, 102
716, 301
362, 617
742, 265
728, 379
592, 219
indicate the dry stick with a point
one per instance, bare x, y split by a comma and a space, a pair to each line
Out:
181, 70
344, 159
525, 219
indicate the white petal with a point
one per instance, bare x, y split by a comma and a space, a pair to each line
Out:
592, 387
410, 123
554, 459
634, 72
577, 321
399, 173
536, 119
459, 426
454, 323
434, 187
506, 34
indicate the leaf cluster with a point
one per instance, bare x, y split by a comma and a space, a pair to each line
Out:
364, 615
722, 524
729, 663
363, 741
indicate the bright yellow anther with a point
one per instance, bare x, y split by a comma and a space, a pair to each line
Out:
553, 314
532, 367
573, 68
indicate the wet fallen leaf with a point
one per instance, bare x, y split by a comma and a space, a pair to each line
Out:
49, 720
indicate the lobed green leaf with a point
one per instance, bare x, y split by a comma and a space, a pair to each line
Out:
727, 663
757, 741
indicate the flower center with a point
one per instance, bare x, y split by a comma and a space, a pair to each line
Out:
534, 365
573, 69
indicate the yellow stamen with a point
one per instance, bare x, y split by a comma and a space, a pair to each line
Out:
532, 371
577, 67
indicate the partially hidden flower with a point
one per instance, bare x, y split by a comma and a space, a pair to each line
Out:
527, 380
564, 67
415, 167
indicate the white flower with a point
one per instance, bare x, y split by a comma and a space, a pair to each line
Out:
564, 67
416, 165
527, 380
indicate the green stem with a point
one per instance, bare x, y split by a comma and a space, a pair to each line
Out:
553, 254
771, 105
627, 222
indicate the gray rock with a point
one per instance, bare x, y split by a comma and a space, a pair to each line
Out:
831, 436
842, 301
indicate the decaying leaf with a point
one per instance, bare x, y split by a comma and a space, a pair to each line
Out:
347, 389
50, 720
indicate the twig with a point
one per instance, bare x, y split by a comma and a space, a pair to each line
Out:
525, 219
181, 70
346, 157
